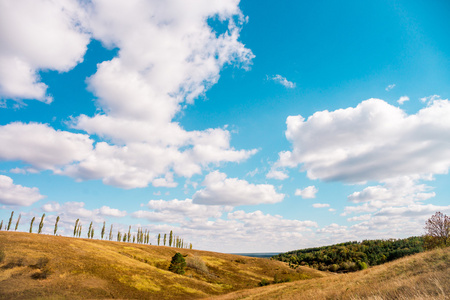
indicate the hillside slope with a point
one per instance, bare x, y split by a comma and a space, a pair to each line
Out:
421, 276
44, 266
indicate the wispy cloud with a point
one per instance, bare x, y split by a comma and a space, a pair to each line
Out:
430, 98
390, 87
320, 205
403, 99
283, 81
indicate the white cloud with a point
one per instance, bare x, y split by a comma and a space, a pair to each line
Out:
283, 81
221, 190
70, 211
12, 194
373, 141
320, 205
178, 211
431, 98
157, 71
41, 146
252, 173
209, 228
402, 99
307, 193
401, 191
112, 212
277, 174
37, 35
390, 87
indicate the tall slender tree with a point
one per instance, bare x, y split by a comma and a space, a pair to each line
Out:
10, 220
89, 230
92, 233
56, 225
17, 224
31, 225
129, 234
110, 233
159, 238
1, 225
103, 230
79, 229
170, 238
75, 228
41, 224
165, 235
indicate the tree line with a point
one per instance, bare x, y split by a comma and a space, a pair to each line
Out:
141, 237
354, 256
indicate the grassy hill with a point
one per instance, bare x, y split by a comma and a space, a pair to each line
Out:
39, 266
421, 276
48, 267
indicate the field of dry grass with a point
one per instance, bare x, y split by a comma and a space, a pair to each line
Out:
48, 267
421, 276
54, 267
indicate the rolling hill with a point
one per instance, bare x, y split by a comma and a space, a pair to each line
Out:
38, 266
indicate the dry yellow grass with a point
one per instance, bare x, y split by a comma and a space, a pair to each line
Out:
53, 267
422, 276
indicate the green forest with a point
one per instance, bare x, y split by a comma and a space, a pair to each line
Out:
353, 256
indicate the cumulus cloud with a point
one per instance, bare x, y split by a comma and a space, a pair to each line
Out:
283, 81
401, 191
208, 227
158, 70
176, 211
221, 190
112, 212
12, 194
41, 146
320, 205
402, 99
373, 141
38, 35
70, 211
307, 193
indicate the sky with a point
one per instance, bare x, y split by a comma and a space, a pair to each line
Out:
242, 126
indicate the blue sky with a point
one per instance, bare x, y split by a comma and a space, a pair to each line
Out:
252, 126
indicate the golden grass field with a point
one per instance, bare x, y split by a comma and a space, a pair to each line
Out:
55, 267
94, 269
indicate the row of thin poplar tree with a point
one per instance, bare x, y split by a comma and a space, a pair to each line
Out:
141, 237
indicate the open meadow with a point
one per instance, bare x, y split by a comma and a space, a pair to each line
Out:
37, 266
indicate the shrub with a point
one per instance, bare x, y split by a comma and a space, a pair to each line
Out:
177, 264
42, 274
197, 264
264, 282
361, 265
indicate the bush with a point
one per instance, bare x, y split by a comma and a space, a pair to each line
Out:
264, 282
177, 264
361, 265
42, 274
197, 264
